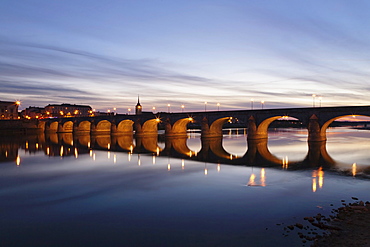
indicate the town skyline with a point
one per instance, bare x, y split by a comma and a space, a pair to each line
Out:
230, 54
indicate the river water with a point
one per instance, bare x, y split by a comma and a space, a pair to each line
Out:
65, 190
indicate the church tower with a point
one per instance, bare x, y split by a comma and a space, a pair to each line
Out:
138, 107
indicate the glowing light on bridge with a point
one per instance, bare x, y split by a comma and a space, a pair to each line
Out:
313, 100
47, 151
61, 151
108, 146
76, 153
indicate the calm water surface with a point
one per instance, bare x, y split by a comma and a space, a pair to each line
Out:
63, 190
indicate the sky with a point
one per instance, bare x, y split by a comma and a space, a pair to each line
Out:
185, 52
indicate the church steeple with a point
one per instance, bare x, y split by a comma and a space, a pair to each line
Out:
138, 107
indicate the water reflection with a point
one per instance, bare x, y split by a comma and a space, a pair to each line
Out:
211, 151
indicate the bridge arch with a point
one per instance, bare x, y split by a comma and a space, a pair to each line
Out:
125, 126
66, 127
327, 123
179, 127
215, 129
103, 126
150, 127
52, 127
84, 126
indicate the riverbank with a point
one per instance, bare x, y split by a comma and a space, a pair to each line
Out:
349, 227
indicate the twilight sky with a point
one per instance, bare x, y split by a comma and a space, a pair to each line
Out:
105, 53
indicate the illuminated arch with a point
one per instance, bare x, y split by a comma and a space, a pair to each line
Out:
216, 126
327, 123
53, 127
84, 126
179, 127
125, 126
103, 126
66, 127
150, 127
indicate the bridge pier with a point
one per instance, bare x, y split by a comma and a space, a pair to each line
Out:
254, 132
315, 133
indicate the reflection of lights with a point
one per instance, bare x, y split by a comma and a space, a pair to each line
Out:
61, 151
218, 167
314, 184
317, 175
6, 154
157, 151
108, 146
205, 169
190, 154
131, 148
18, 161
231, 157
91, 152
94, 156
76, 153
115, 159
285, 162
138, 160
37, 145
47, 151
129, 156
88, 144
153, 159
263, 177
182, 164
354, 168
108, 153
251, 180
168, 167
26, 144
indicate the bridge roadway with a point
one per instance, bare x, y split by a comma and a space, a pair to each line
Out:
317, 120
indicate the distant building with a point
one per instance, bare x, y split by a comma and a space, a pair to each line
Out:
67, 110
33, 112
9, 110
138, 107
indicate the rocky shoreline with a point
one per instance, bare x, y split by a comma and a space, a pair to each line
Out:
348, 225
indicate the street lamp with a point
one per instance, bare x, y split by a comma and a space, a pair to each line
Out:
313, 100
205, 106
320, 98
252, 104
129, 111
182, 108
153, 108
218, 106
169, 107
262, 103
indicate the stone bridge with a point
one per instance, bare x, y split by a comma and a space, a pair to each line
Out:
316, 120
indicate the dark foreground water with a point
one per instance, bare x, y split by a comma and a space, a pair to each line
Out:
62, 190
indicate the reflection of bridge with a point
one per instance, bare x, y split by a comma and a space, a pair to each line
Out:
212, 150
317, 121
